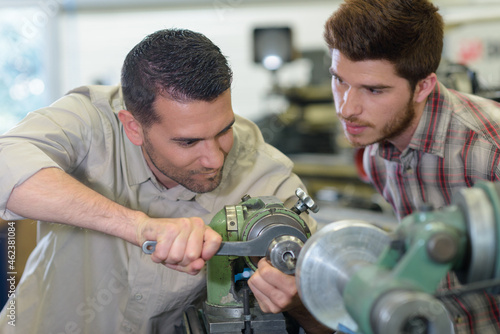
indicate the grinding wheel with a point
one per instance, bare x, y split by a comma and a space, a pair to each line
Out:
328, 260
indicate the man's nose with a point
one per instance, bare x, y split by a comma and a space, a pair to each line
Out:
350, 105
212, 154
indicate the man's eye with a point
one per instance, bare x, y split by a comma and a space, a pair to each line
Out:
375, 91
187, 143
225, 131
337, 79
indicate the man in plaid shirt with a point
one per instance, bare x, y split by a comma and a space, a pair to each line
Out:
423, 142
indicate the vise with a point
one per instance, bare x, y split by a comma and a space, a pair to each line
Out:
356, 278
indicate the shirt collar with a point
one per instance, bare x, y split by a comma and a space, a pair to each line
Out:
138, 170
431, 132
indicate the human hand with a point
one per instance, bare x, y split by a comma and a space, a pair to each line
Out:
274, 291
182, 244
277, 292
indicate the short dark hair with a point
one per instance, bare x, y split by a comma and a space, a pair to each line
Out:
178, 64
407, 33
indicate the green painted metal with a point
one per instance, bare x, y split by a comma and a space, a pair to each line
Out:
492, 190
221, 287
405, 264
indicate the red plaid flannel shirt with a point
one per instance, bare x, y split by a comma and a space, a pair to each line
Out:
456, 143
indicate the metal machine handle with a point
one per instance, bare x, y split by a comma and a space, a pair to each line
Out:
304, 203
254, 247
280, 244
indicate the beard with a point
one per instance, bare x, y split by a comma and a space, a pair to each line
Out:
185, 178
392, 129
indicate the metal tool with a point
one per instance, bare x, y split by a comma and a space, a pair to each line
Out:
281, 251
328, 263
353, 275
255, 228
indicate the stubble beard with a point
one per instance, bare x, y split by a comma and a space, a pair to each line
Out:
398, 125
184, 178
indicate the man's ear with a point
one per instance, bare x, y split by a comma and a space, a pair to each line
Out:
424, 88
132, 127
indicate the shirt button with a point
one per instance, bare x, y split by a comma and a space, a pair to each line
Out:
138, 296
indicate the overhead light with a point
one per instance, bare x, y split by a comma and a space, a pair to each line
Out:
272, 62
272, 46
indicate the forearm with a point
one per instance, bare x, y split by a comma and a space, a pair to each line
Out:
52, 195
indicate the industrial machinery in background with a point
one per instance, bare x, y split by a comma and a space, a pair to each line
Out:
354, 277
255, 228
464, 79
300, 121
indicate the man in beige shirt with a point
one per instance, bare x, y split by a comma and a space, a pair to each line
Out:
105, 168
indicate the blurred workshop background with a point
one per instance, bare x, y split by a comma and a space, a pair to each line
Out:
280, 65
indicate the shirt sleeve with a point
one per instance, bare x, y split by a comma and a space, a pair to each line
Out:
57, 136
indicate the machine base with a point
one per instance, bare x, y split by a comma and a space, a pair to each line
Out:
227, 320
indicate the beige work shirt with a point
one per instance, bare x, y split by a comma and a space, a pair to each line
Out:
82, 281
